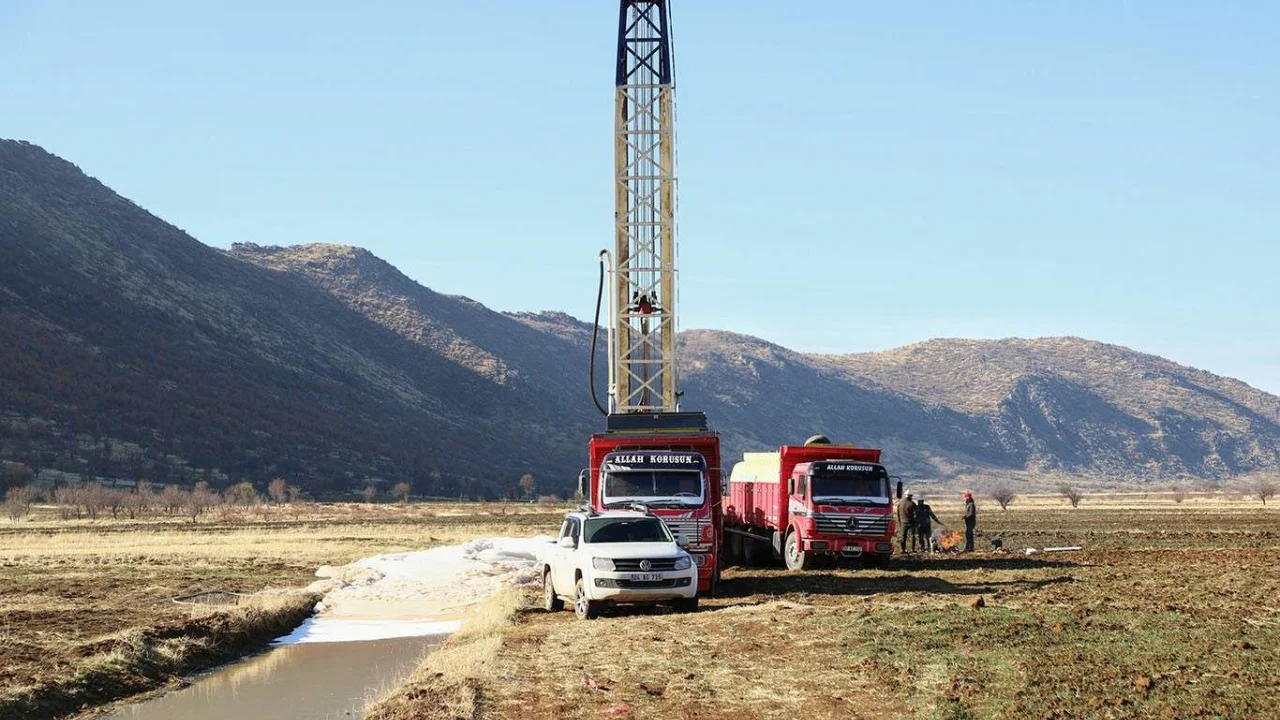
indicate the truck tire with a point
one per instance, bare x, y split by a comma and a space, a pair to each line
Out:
551, 602
583, 607
796, 558
733, 554
685, 605
754, 552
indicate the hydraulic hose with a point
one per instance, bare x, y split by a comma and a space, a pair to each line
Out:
595, 334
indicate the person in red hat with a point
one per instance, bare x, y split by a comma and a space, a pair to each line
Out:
970, 519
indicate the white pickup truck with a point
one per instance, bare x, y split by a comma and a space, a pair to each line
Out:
616, 557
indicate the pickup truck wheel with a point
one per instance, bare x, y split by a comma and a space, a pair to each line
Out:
797, 559
583, 607
685, 605
551, 602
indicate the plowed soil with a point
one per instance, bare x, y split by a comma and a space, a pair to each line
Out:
1171, 611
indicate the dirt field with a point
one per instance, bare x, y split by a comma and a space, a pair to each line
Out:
1172, 611
78, 598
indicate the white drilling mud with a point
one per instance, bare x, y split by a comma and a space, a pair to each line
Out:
415, 593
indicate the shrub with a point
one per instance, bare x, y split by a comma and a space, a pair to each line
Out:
401, 492
1264, 488
1071, 493
1004, 495
17, 501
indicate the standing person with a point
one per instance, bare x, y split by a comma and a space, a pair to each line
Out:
907, 519
970, 519
924, 524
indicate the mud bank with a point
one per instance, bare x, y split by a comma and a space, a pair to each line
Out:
144, 660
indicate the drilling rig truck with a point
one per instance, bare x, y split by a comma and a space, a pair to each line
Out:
650, 453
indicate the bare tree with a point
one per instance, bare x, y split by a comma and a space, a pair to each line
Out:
278, 491
1003, 494
242, 493
401, 492
1071, 493
17, 501
116, 500
199, 499
146, 496
1263, 488
370, 492
68, 501
294, 491
528, 484
93, 496
171, 499
1179, 493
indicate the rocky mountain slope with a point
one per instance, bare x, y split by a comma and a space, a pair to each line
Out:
947, 406
127, 349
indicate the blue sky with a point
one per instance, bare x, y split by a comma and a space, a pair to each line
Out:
854, 175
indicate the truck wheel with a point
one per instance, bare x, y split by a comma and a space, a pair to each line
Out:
685, 605
796, 558
551, 602
583, 607
734, 554
753, 552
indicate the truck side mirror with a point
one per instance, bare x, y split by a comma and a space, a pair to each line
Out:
582, 484
791, 486
567, 543
899, 491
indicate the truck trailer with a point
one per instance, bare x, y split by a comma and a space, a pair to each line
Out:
809, 502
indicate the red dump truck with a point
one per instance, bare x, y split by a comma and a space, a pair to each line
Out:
809, 502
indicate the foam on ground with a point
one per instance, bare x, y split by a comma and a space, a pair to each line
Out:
415, 593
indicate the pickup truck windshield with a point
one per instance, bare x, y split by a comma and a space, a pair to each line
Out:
621, 530
679, 486
849, 485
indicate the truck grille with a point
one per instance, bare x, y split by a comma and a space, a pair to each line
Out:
634, 565
690, 529
863, 525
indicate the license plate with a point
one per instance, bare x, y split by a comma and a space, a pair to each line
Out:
650, 577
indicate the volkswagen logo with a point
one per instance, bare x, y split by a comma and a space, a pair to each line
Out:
646, 565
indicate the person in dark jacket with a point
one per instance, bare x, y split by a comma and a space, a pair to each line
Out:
907, 519
970, 520
924, 524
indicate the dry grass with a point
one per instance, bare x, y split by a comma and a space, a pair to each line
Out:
80, 597
446, 685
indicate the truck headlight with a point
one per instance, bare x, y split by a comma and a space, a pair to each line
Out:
602, 563
684, 562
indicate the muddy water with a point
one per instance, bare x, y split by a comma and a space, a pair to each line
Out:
309, 681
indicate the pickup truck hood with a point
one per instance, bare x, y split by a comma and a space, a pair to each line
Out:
630, 550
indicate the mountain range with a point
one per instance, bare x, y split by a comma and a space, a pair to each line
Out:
129, 349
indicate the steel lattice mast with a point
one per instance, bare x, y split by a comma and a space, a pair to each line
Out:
643, 299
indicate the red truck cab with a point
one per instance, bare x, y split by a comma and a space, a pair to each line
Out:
806, 502
669, 463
